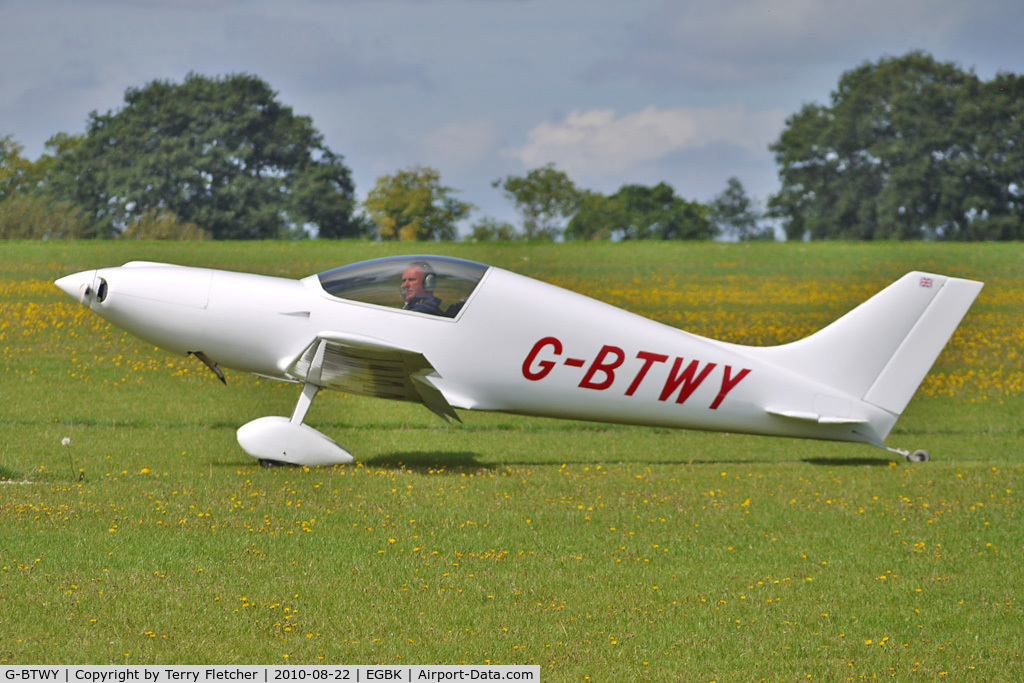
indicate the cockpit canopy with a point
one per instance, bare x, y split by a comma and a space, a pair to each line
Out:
432, 285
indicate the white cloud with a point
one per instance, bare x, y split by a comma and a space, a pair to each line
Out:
599, 144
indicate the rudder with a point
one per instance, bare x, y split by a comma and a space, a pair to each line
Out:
906, 369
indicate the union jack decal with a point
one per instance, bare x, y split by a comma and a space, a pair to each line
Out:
926, 282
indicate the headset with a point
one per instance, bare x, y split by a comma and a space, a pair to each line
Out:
429, 276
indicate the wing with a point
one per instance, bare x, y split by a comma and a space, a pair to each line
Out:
370, 367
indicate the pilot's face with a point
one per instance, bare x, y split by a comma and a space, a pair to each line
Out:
412, 283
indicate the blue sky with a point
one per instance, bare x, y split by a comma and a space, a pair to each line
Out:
686, 92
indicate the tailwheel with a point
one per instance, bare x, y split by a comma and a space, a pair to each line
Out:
919, 456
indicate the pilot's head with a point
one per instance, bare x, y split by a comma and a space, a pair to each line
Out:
418, 280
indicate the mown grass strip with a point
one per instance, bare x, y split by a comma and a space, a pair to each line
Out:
608, 552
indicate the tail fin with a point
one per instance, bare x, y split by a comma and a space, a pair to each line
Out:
882, 350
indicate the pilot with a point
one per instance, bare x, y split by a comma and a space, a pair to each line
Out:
418, 283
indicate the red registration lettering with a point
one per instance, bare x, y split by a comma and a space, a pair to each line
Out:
728, 384
539, 370
649, 359
685, 378
600, 364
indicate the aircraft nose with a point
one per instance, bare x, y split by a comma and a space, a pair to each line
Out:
79, 286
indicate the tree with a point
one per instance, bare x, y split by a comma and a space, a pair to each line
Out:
599, 218
157, 224
26, 210
492, 230
14, 168
989, 172
910, 148
31, 216
736, 216
222, 153
640, 212
545, 197
412, 205
19, 175
658, 213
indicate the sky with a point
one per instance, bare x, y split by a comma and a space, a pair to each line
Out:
689, 92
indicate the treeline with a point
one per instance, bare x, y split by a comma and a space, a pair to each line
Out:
909, 148
221, 158
412, 204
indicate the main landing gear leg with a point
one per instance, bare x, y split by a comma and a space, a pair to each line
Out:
309, 391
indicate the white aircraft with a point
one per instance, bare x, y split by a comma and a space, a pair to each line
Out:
450, 334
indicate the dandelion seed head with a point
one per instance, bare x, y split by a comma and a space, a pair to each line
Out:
66, 441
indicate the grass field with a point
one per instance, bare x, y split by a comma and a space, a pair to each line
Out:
603, 553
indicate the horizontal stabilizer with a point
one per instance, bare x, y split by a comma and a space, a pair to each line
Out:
806, 416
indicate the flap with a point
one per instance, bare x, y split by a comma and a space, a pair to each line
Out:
370, 367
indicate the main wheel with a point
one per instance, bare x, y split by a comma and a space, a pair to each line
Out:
272, 463
919, 456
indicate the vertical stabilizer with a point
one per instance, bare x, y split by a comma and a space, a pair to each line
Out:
881, 351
